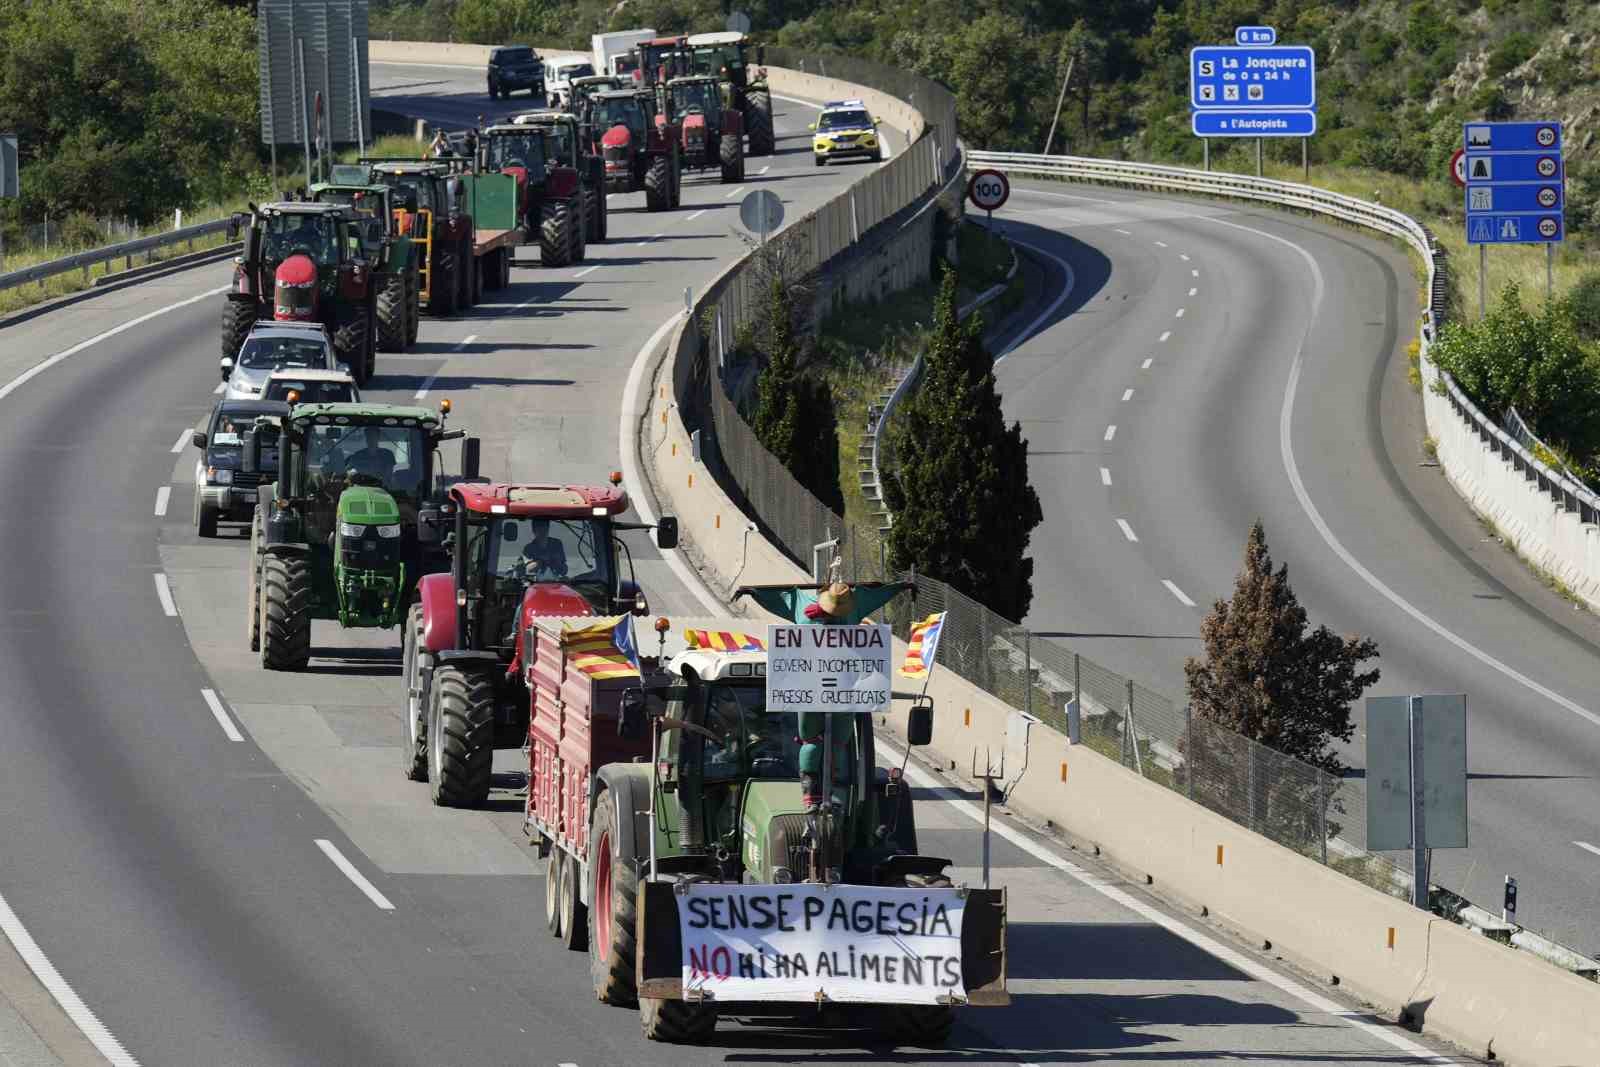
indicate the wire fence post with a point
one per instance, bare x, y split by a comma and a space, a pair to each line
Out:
1075, 706
1250, 783
1188, 750
1027, 672
1128, 734
1323, 797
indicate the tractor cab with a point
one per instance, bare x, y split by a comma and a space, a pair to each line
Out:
561, 130
696, 95
309, 251
371, 208
723, 55
584, 89
662, 59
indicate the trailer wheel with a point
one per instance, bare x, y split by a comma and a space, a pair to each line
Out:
237, 318
613, 909
285, 613
414, 750
392, 313
554, 868
574, 915
478, 265
677, 1022
555, 240
442, 286
920, 1025
460, 736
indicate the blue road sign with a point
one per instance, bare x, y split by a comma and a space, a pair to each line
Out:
1514, 173
1278, 78
1253, 123
1255, 35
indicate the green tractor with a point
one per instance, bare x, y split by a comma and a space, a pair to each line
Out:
431, 210
396, 271
350, 523
726, 56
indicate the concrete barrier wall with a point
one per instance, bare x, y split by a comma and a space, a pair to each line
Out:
434, 53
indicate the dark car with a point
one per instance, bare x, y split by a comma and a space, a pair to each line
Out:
223, 492
514, 67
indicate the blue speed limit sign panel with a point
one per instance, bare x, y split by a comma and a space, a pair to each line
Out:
1514, 173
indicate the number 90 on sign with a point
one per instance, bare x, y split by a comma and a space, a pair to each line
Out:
988, 190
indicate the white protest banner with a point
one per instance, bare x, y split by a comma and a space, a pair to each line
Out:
828, 668
865, 944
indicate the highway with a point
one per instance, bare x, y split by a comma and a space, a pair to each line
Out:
1215, 364
227, 865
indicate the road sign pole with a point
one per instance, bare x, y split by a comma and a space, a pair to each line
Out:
1305, 159
1258, 156
1419, 830
305, 104
1549, 273
1483, 280
1205, 143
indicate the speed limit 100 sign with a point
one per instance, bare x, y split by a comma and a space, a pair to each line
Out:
988, 190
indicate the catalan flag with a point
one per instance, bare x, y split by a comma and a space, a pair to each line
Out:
603, 649
724, 641
922, 646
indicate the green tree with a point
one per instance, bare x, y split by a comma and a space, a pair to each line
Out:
1265, 676
963, 509
795, 418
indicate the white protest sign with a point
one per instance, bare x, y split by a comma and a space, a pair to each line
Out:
828, 668
865, 944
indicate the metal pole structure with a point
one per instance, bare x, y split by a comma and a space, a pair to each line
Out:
1205, 145
1483, 280
1258, 157
1322, 815
988, 788
1549, 272
1189, 762
1027, 671
1419, 828
1305, 160
1075, 709
305, 103
1059, 101
355, 82
325, 120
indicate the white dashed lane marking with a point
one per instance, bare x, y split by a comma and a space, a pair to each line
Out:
1179, 593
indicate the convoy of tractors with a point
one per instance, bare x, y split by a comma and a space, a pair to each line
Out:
660, 787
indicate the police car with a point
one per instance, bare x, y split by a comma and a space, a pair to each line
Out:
844, 129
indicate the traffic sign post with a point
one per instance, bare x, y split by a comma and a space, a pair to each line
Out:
1514, 176
1253, 88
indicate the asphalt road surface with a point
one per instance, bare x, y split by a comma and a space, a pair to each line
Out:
1215, 364
287, 897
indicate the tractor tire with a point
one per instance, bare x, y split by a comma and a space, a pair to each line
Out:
253, 588
443, 302
492, 270
677, 179
677, 1022
350, 346
730, 153
658, 185
555, 233
758, 121
467, 265
480, 264
460, 736
613, 909
413, 307
285, 613
414, 743
393, 313
205, 519
554, 866
372, 341
920, 1025
237, 318
580, 228
574, 916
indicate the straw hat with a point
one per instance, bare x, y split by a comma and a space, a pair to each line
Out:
836, 600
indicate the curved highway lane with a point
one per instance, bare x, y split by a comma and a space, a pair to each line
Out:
227, 864
1222, 363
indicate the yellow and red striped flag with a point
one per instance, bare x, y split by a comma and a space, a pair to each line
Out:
922, 646
601, 649
724, 641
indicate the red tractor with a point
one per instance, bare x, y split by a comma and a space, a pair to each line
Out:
555, 206
640, 152
518, 552
303, 262
713, 133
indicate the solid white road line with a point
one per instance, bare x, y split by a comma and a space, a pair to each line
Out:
696, 215
162, 496
1127, 395
1127, 531
587, 270
76, 1010
349, 869
1179, 315
1105, 476
1061, 297
1179, 593
164, 594
1286, 447
183, 439
39, 368
1111, 431
220, 713
463, 343
733, 193
1146, 364
1588, 847
1164, 335
1204, 942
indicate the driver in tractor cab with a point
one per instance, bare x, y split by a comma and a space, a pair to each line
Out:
543, 552
374, 459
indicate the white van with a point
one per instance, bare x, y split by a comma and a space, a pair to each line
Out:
558, 74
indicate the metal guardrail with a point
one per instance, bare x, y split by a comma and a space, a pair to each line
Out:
126, 250
1561, 489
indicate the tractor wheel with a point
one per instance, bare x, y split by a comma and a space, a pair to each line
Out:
460, 736
677, 1022
492, 270
350, 345
205, 519
555, 237
613, 909
414, 745
393, 313
285, 613
372, 341
758, 120
479, 282
658, 184
253, 593
466, 266
237, 318
574, 916
443, 303
506, 255
920, 1025
580, 227
677, 179
555, 866
413, 306
731, 154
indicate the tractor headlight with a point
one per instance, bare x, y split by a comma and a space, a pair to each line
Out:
391, 531
350, 529
219, 477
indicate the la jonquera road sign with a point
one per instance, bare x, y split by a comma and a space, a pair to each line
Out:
988, 190
1254, 88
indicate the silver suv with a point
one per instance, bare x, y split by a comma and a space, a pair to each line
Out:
274, 346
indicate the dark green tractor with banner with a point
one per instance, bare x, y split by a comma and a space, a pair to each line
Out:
706, 805
394, 256
350, 522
